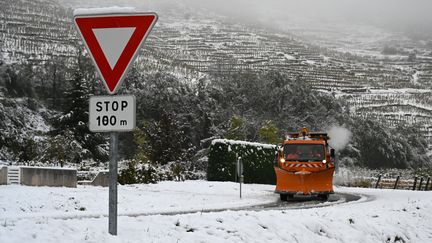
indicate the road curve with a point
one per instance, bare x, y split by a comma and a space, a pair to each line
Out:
291, 204
294, 203
313, 202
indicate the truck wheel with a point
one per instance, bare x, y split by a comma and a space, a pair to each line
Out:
283, 197
323, 197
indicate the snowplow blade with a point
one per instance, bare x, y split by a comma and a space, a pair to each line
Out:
304, 182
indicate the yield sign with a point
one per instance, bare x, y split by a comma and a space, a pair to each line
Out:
113, 41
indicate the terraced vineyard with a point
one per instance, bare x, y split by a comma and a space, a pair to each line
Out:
392, 88
34, 31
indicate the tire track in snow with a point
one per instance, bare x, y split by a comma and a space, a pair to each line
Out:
292, 204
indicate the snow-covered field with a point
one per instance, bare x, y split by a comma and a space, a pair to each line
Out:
42, 214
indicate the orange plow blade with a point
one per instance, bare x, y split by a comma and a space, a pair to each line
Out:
304, 182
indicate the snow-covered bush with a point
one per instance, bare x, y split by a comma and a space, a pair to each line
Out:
145, 172
138, 173
257, 160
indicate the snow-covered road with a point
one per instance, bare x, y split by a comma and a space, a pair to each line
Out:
164, 197
26, 215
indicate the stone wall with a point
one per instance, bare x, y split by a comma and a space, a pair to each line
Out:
101, 179
40, 176
3, 175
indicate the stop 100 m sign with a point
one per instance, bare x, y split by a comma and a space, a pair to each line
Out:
112, 113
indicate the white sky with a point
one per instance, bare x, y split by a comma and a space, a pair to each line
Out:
400, 15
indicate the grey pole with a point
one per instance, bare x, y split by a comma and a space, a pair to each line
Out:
241, 175
241, 181
112, 219
237, 176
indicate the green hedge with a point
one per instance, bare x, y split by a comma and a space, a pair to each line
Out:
258, 160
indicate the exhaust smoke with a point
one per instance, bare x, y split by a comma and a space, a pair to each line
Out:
339, 137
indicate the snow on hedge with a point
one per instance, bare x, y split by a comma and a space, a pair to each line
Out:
105, 10
238, 142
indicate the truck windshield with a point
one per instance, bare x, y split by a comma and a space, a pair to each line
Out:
304, 152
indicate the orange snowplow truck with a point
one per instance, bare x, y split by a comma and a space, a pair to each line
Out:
304, 165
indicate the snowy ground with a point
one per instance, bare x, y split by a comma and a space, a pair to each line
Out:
24, 202
42, 214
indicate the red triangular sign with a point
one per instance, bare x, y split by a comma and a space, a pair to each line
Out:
113, 41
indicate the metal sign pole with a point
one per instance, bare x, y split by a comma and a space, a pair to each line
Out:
240, 174
112, 215
240, 186
237, 177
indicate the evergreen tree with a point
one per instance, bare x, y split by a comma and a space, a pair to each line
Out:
52, 81
167, 141
236, 131
269, 133
28, 150
19, 81
142, 148
75, 119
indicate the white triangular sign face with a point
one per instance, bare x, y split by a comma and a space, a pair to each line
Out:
113, 41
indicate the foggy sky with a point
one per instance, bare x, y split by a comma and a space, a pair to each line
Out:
400, 15
395, 14
406, 10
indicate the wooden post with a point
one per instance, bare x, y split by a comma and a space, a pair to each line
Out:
396, 182
415, 183
378, 181
420, 184
427, 184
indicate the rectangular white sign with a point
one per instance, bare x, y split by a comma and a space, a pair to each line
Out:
114, 113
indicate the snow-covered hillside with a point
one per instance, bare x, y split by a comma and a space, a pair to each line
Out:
23, 125
27, 215
192, 43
